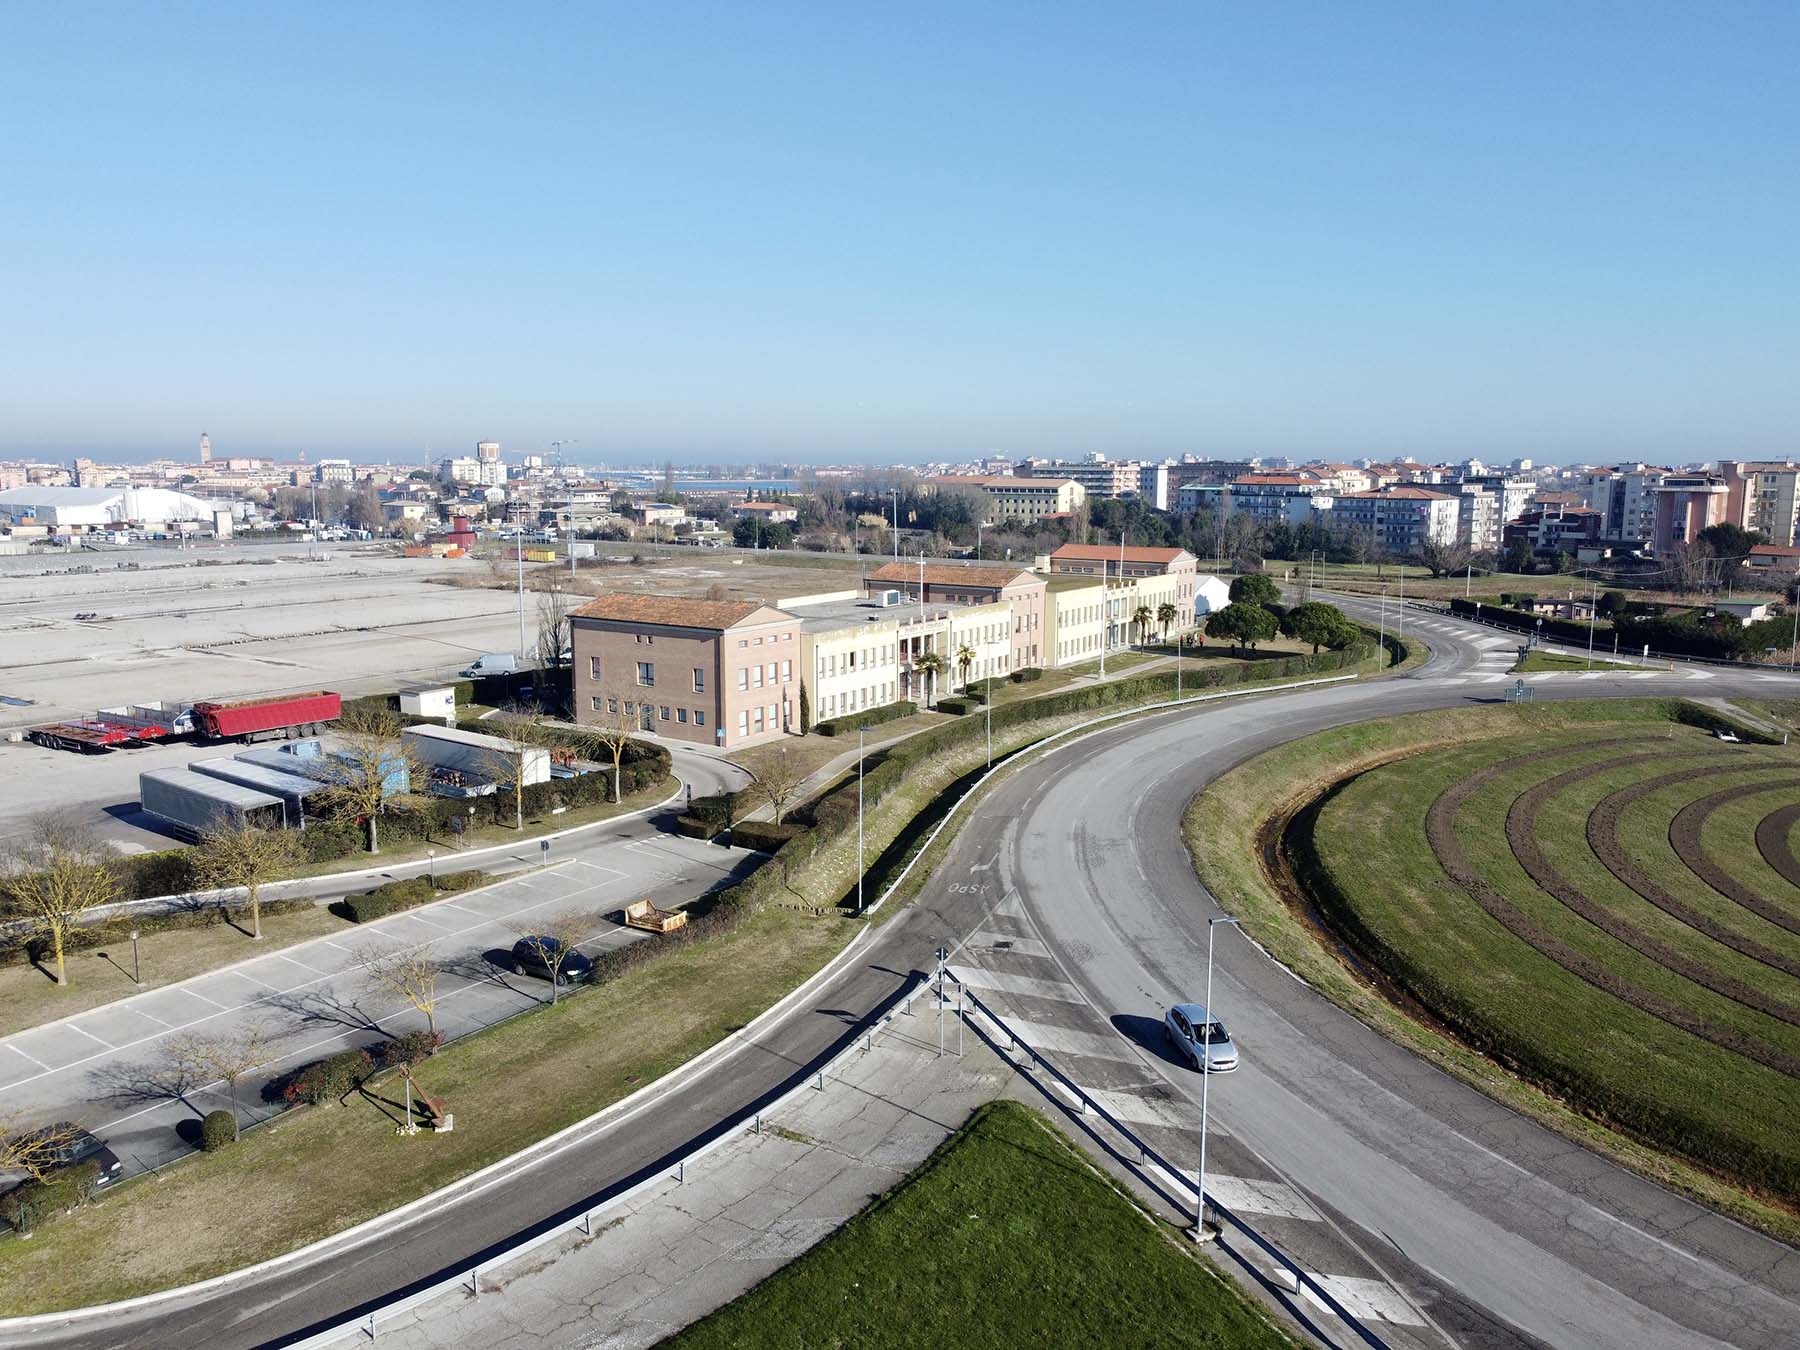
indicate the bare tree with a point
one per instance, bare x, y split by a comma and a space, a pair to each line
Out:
779, 784
1441, 559
54, 873
239, 854
35, 1152
613, 734
371, 761
226, 1057
510, 765
410, 973
555, 628
554, 939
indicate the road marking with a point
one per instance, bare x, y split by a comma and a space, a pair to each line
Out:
1007, 944
1041, 1037
40, 1063
1699, 675
148, 1018
1057, 990
1135, 1110
1253, 1195
311, 970
1644, 675
204, 999
1366, 1300
90, 1035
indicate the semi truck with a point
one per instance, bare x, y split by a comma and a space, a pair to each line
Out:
155, 720
267, 719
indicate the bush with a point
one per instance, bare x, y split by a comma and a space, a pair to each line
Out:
1028, 674
462, 881
695, 828
763, 836
956, 706
409, 1047
327, 1080
715, 811
17, 945
217, 1129
888, 712
388, 898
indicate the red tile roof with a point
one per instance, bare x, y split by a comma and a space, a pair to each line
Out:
1406, 494
1774, 551
1104, 553
672, 611
998, 480
951, 574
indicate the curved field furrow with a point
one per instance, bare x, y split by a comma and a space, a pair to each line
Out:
1603, 838
1684, 837
1440, 830
1522, 838
1772, 835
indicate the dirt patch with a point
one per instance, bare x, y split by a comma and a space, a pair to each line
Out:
1440, 831
1521, 837
1684, 837
1772, 834
1603, 838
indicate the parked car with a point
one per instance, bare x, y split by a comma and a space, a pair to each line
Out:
80, 1147
536, 955
1188, 1029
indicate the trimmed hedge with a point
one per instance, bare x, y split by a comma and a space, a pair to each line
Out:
1027, 674
393, 896
1563, 630
693, 827
16, 947
218, 1129
888, 712
25, 1207
956, 706
763, 836
324, 1080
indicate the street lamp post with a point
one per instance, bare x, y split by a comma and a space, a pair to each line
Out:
431, 866
137, 971
1206, 1080
980, 525
896, 492
519, 552
987, 703
859, 820
1593, 616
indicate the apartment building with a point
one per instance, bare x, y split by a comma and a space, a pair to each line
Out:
710, 672
1625, 497
1763, 497
1478, 521
1076, 613
1017, 498
1097, 475
1269, 498
1403, 519
1686, 503
1156, 576
930, 583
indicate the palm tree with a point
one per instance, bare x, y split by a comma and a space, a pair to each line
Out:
1141, 617
1165, 615
965, 657
929, 665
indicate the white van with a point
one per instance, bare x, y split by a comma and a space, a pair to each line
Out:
493, 663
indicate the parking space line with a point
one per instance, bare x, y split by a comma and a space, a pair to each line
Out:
204, 999
148, 1018
90, 1035
312, 970
33, 1059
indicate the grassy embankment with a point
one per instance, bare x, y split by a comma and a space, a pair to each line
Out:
1006, 1236
1541, 661
1548, 1028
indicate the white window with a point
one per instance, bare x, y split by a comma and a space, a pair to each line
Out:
787, 671
771, 672
597, 702
699, 718
759, 717
646, 674
756, 680
744, 723
744, 679
593, 667
699, 680
681, 715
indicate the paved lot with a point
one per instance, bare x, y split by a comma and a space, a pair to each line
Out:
117, 1068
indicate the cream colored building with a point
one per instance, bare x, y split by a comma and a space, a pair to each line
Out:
1076, 618
1021, 498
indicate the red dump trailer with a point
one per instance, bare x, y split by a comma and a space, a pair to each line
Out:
264, 719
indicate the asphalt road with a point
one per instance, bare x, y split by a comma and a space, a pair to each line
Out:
1521, 1235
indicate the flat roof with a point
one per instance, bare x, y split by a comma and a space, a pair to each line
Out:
258, 776
233, 794
830, 615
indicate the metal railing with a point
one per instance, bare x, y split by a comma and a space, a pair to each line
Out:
366, 1322
1148, 1155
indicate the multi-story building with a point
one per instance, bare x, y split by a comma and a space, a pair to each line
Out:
333, 471
1017, 498
1512, 494
1268, 498
1763, 497
1075, 614
1343, 477
1157, 576
1477, 518
946, 583
1625, 497
709, 672
1097, 475
1686, 504
1558, 527
1403, 519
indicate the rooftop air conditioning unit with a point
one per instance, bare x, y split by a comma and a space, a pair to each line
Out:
889, 598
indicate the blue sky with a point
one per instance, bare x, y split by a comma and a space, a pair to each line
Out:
913, 231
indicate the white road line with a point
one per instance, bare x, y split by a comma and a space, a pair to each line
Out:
311, 970
1252, 1195
1699, 675
1644, 675
1042, 1037
1136, 1110
1058, 990
338, 945
33, 1059
1367, 1300
204, 999
1012, 946
148, 1018
90, 1035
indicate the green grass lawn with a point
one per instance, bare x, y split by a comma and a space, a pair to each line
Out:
1006, 1236
1225, 828
1541, 660
1618, 1062
321, 1169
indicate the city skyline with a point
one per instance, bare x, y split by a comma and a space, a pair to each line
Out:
810, 237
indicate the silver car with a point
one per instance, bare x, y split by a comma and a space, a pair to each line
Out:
1188, 1029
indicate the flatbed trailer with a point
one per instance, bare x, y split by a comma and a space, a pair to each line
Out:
84, 738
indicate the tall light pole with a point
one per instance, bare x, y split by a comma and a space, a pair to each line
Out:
1206, 1079
859, 820
1381, 630
519, 552
987, 704
896, 492
1593, 614
980, 525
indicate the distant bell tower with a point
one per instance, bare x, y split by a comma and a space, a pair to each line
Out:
205, 448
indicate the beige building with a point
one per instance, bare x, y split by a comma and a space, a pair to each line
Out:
1148, 577
710, 672
936, 584
1016, 499
1075, 615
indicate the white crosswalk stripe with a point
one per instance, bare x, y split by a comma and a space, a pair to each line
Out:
1060, 1040
1250, 1195
1368, 1300
1006, 983
1021, 946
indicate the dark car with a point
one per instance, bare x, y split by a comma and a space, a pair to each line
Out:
539, 955
75, 1146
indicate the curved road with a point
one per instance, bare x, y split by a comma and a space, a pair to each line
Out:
1511, 1234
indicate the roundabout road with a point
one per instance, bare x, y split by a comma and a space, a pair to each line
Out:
1508, 1233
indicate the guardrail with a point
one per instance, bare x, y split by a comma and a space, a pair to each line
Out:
1147, 1155
366, 1321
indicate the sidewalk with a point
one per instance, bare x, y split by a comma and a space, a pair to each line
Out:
662, 1261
